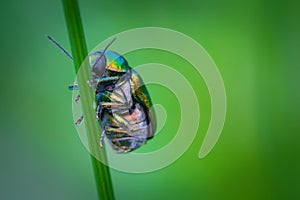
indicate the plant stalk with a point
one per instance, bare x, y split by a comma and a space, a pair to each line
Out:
79, 52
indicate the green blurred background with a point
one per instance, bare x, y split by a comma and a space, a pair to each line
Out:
256, 46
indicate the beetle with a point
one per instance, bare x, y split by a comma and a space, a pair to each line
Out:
123, 104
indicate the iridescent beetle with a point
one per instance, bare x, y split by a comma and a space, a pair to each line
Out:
123, 104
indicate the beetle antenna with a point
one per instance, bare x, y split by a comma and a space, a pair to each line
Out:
59, 46
102, 53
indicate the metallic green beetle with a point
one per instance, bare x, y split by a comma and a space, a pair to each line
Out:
123, 104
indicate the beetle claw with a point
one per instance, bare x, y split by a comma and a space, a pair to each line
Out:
92, 83
77, 98
73, 86
102, 139
79, 121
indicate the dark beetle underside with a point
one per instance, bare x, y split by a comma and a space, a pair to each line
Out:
123, 106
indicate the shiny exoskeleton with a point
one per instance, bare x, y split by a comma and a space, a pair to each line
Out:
123, 102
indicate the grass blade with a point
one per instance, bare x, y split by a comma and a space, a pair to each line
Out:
79, 53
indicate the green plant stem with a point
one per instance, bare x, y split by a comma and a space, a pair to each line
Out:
79, 52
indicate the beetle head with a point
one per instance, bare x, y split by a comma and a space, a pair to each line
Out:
98, 63
109, 60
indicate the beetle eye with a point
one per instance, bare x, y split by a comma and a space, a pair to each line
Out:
99, 66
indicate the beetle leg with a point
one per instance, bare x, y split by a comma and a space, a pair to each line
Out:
79, 121
73, 86
102, 138
77, 98
97, 113
92, 83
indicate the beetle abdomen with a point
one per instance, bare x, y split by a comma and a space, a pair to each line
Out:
124, 120
126, 131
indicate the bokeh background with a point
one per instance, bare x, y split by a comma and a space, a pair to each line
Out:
256, 47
